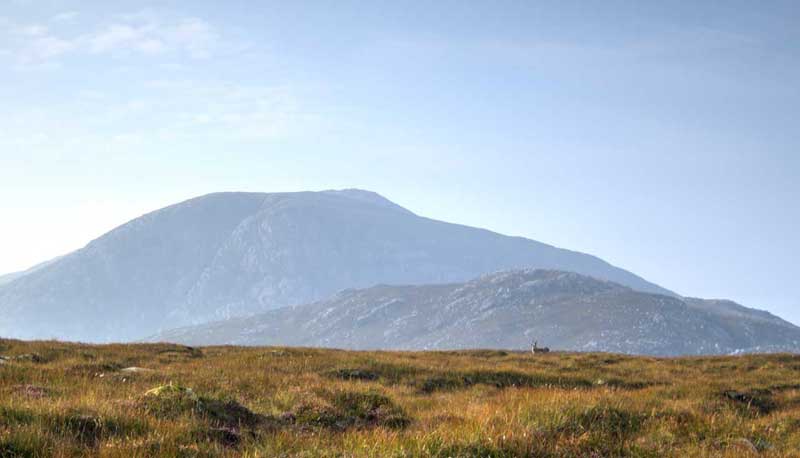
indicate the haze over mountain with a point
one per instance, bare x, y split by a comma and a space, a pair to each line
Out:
564, 310
232, 254
9, 277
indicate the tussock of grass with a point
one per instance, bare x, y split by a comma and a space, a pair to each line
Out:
173, 401
294, 402
752, 401
348, 409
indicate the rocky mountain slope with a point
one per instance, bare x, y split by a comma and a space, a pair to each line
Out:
565, 311
231, 254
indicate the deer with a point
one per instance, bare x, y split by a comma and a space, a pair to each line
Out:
535, 348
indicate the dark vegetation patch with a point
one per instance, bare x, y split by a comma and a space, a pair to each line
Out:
178, 353
626, 384
353, 374
224, 435
10, 448
228, 421
599, 360
90, 428
757, 401
12, 417
370, 409
346, 409
481, 353
498, 379
84, 428
441, 383
172, 401
428, 380
374, 370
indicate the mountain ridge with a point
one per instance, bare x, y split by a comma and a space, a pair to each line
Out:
505, 310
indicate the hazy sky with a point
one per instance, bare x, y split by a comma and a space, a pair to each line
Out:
661, 136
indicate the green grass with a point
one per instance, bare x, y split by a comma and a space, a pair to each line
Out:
59, 399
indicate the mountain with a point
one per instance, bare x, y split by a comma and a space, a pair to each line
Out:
232, 254
9, 277
563, 310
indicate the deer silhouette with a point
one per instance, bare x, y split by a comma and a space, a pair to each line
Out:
535, 348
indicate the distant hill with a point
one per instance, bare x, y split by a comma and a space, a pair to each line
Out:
232, 254
563, 310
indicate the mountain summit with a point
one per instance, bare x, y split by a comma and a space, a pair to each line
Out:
230, 254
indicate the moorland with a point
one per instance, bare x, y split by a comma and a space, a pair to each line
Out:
123, 400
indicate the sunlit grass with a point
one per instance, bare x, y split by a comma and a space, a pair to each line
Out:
62, 400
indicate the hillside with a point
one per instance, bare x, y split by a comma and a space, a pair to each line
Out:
66, 400
9, 277
508, 310
233, 254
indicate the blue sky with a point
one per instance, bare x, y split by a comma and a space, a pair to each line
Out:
660, 136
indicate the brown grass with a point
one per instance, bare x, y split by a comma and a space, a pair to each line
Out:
59, 399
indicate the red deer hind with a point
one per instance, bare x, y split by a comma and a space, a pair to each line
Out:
535, 348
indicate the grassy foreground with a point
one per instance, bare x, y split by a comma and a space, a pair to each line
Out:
59, 399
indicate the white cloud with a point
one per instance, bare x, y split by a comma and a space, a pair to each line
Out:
35, 45
238, 112
34, 30
66, 16
47, 47
180, 113
113, 37
194, 35
151, 46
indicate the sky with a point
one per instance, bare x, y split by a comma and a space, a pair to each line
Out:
663, 137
